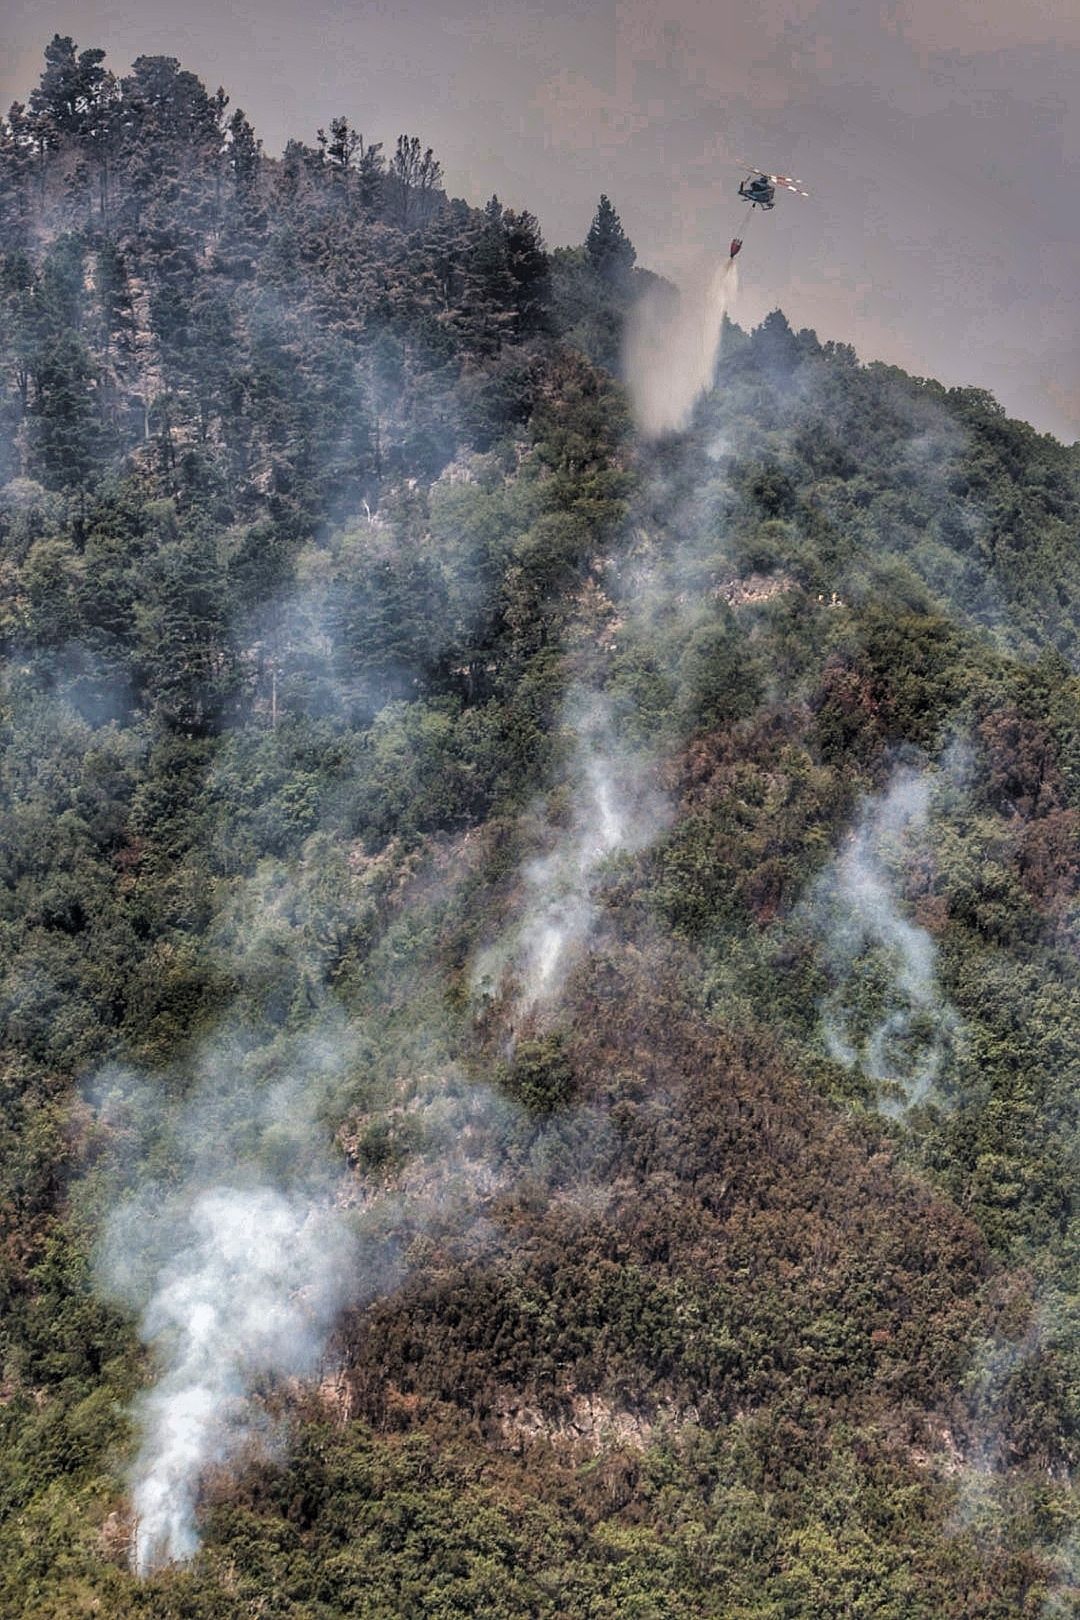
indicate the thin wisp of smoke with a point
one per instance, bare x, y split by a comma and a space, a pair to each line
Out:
886, 1011
614, 809
1005, 1380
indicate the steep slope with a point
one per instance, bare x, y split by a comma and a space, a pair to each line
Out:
539, 969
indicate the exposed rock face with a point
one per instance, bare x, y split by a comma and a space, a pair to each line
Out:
751, 589
590, 1424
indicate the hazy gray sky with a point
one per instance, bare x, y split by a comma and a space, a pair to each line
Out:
940, 139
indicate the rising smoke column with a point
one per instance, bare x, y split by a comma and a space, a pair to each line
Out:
237, 1267
614, 808
858, 905
251, 1291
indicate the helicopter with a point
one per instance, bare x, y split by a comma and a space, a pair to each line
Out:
759, 190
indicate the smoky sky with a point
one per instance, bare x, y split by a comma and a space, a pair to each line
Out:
940, 142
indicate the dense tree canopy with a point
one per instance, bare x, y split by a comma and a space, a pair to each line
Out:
342, 611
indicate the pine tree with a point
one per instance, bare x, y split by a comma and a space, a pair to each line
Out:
341, 150
17, 164
527, 263
775, 344
186, 652
114, 301
244, 156
70, 89
66, 429
610, 251
370, 173
173, 141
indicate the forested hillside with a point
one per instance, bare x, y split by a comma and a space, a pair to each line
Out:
539, 984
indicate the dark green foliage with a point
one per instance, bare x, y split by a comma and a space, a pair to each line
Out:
540, 1075
71, 89
607, 246
718, 675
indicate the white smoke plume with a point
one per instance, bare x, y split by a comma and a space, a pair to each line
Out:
614, 808
672, 346
237, 1263
240, 1257
251, 1290
859, 905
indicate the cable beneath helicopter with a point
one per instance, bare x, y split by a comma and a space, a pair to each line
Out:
759, 188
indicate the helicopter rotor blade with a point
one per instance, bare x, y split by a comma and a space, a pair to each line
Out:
789, 181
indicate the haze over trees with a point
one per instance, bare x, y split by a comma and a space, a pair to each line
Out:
730, 1271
